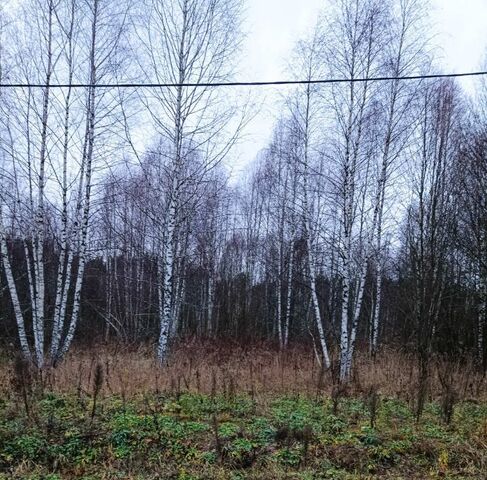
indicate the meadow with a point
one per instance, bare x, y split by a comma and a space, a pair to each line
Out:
235, 413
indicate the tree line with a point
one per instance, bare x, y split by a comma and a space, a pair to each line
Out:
362, 223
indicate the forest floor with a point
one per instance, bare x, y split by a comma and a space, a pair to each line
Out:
181, 428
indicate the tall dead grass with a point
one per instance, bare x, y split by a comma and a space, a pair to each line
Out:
257, 370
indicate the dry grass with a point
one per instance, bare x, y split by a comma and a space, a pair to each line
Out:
256, 370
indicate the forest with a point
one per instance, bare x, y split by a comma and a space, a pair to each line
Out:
321, 314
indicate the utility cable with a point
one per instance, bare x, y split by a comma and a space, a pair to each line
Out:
242, 84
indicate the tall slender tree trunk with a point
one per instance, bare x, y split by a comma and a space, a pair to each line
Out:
287, 318
166, 285
87, 163
19, 317
306, 211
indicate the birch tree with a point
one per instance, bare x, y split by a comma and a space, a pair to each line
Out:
76, 39
186, 41
282, 156
304, 110
405, 53
352, 36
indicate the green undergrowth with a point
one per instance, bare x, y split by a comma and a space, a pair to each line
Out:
201, 437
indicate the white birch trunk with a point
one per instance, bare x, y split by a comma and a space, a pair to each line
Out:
481, 316
279, 299
316, 309
38, 244
355, 321
63, 273
378, 289
166, 285
307, 234
19, 317
345, 300
288, 295
87, 168
211, 303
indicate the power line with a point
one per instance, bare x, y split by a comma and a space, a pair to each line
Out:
241, 84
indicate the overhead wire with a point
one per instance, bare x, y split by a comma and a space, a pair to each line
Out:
244, 84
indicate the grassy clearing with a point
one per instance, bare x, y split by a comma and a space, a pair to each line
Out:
200, 436
206, 367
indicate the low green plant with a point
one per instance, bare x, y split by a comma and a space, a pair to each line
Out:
198, 436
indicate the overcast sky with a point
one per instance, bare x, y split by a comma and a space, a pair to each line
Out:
273, 27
